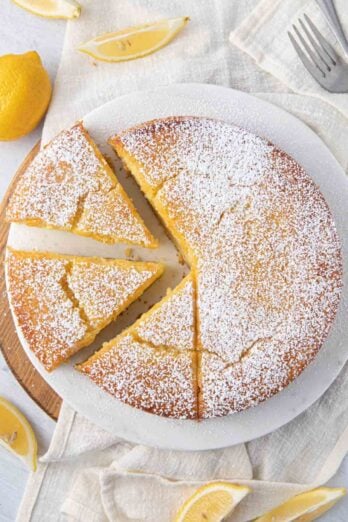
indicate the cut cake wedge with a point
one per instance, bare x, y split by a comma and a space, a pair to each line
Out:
62, 302
152, 365
70, 186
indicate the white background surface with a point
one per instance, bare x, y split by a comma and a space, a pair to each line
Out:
20, 32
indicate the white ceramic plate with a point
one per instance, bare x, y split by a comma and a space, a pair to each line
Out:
290, 135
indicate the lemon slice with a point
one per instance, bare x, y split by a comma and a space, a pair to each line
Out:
133, 42
305, 507
211, 502
51, 8
16, 434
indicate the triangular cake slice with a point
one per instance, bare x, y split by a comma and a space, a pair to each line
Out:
152, 365
62, 302
171, 322
70, 186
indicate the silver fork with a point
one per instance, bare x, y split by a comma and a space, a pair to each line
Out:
319, 57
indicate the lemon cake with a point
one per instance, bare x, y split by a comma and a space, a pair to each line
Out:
70, 186
263, 249
152, 365
62, 302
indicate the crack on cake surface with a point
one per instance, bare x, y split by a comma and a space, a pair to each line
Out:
282, 212
68, 175
141, 340
79, 211
69, 292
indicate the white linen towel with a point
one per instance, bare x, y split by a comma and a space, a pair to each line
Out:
89, 474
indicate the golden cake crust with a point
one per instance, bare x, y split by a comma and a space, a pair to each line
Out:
157, 380
153, 364
62, 302
70, 186
265, 258
262, 245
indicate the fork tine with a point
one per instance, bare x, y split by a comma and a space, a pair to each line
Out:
305, 60
309, 50
315, 45
330, 51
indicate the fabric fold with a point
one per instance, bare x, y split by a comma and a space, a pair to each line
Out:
129, 496
228, 463
263, 35
67, 441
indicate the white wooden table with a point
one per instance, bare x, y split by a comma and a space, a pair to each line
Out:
20, 32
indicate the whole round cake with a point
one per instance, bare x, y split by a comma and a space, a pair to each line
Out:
262, 246
265, 269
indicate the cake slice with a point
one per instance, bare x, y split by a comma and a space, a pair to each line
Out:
70, 186
62, 302
171, 322
152, 365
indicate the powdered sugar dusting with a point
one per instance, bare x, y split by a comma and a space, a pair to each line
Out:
263, 244
152, 365
157, 380
50, 322
104, 289
166, 148
108, 218
273, 261
171, 323
62, 302
70, 186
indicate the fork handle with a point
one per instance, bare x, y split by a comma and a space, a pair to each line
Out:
328, 8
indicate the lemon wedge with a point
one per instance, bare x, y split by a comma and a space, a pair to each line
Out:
305, 507
16, 434
211, 502
133, 42
25, 92
66, 9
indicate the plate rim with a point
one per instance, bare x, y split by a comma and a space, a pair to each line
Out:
177, 91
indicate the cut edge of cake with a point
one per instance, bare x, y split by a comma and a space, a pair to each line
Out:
104, 366
24, 205
140, 149
45, 305
136, 168
156, 380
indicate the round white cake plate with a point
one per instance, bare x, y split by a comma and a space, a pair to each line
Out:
289, 134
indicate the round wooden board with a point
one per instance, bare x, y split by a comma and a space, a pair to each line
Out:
10, 346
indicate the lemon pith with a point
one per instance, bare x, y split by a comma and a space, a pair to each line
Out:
133, 42
305, 507
66, 9
16, 434
211, 502
25, 92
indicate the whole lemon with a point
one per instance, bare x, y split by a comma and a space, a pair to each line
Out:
25, 91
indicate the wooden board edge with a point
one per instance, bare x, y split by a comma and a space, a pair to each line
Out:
18, 362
